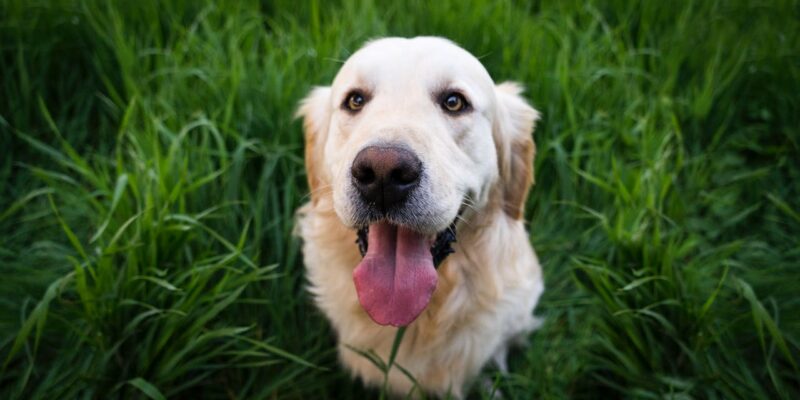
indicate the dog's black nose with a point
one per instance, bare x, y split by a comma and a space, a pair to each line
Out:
385, 175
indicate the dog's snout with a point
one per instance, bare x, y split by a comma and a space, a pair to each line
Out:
385, 175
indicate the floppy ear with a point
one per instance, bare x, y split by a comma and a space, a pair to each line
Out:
315, 111
513, 129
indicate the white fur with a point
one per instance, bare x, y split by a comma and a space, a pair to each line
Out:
488, 288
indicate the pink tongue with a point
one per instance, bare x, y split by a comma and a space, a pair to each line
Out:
396, 278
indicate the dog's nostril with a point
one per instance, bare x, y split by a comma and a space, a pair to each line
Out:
404, 175
363, 174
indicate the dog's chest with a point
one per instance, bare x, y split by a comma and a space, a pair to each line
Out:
482, 300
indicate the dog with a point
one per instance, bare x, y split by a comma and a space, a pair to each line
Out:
419, 168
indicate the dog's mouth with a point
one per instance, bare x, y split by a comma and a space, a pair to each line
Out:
397, 275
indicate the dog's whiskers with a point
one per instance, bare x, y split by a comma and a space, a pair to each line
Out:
466, 202
469, 203
320, 190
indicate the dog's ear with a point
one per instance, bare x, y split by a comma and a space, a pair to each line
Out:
315, 111
513, 137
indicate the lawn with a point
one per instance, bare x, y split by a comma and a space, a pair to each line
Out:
151, 165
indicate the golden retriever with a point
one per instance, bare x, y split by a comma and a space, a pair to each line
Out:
413, 153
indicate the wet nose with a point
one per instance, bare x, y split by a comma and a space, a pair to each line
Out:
385, 175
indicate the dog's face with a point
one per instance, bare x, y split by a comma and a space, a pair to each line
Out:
412, 133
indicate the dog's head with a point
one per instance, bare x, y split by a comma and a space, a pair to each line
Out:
411, 133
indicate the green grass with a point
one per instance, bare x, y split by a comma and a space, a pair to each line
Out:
151, 166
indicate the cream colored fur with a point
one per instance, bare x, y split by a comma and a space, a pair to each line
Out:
488, 288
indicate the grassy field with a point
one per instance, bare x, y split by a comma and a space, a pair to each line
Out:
150, 167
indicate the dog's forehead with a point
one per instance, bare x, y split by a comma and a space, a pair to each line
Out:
426, 60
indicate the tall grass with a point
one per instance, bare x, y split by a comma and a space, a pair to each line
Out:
151, 167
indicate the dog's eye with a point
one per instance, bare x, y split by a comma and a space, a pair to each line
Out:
355, 101
454, 102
